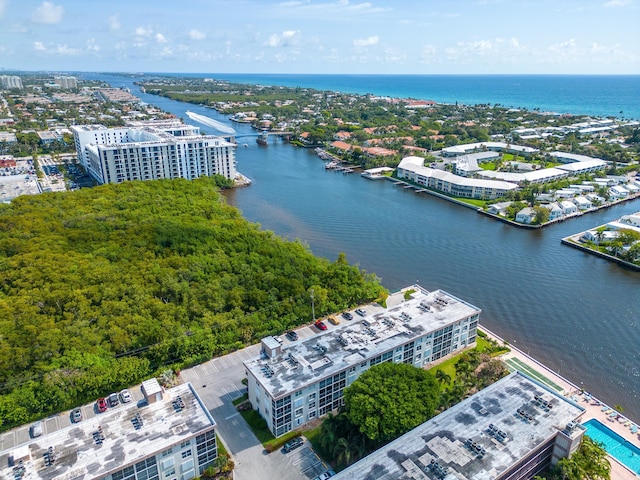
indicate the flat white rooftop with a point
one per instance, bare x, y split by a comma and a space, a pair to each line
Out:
81, 454
457, 437
354, 341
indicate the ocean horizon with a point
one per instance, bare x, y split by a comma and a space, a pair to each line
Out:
595, 95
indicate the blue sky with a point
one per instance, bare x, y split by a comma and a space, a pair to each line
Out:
323, 36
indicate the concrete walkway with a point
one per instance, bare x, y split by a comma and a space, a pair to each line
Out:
594, 408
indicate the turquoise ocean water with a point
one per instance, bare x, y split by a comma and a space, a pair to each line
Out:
598, 95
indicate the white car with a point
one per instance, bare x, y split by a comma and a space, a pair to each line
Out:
125, 395
324, 476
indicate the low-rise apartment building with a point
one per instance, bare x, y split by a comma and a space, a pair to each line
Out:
511, 430
413, 169
169, 434
293, 383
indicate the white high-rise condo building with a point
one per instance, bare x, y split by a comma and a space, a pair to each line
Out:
66, 82
11, 81
152, 150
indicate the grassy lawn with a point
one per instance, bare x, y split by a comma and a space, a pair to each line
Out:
258, 425
449, 365
519, 365
488, 165
260, 430
313, 436
473, 201
221, 450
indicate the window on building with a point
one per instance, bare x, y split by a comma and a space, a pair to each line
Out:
186, 454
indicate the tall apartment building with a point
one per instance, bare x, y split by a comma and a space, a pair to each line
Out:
152, 150
511, 430
293, 383
168, 435
70, 83
11, 81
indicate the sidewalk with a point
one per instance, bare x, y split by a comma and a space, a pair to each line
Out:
594, 408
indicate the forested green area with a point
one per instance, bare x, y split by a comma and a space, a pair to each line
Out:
101, 288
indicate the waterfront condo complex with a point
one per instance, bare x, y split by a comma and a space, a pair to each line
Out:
168, 434
513, 429
152, 150
294, 382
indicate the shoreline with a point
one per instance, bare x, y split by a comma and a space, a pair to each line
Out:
594, 408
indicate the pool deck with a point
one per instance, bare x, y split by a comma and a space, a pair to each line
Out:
593, 407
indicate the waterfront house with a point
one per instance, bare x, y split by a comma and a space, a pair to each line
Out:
499, 208
568, 207
583, 203
526, 215
555, 211
617, 192
595, 199
597, 236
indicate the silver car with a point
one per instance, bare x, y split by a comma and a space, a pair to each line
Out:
125, 395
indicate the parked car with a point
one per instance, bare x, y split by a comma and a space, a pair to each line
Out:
113, 400
76, 415
324, 476
102, 404
347, 316
36, 429
125, 395
334, 320
361, 312
292, 444
291, 335
320, 325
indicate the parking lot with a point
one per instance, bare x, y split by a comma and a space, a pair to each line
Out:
219, 382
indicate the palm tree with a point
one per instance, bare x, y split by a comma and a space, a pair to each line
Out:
442, 376
342, 451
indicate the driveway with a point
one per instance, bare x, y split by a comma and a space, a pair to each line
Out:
219, 382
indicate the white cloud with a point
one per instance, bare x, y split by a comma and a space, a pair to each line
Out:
160, 38
429, 54
3, 6
617, 3
114, 22
145, 32
92, 46
563, 46
196, 34
285, 39
366, 42
65, 49
47, 13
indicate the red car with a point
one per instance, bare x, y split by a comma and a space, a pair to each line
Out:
321, 325
102, 405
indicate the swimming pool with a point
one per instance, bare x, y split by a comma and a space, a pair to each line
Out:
616, 446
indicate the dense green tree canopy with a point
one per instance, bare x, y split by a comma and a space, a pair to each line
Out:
390, 399
102, 287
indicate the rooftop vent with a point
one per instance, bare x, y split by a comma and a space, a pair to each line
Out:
178, 404
98, 435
